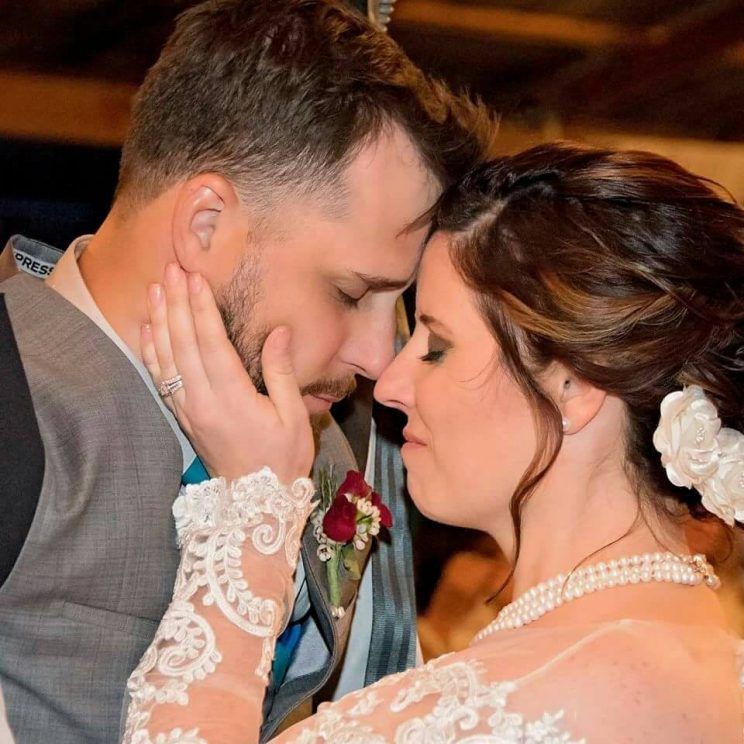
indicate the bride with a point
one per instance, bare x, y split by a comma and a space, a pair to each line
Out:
575, 388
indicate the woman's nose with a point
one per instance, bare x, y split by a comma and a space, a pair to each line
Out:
394, 387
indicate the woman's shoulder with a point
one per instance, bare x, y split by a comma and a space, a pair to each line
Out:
635, 675
636, 647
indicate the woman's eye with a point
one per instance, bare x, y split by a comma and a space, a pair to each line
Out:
433, 356
437, 349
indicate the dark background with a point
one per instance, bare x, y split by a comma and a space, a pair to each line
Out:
589, 69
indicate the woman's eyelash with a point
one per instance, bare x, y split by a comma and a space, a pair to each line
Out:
433, 356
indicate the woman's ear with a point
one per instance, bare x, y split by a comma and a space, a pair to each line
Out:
203, 203
578, 400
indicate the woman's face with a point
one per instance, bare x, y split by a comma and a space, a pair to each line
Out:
470, 434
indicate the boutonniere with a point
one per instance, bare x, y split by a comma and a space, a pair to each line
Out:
347, 517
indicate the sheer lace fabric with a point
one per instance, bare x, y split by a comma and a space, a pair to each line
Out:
619, 682
203, 678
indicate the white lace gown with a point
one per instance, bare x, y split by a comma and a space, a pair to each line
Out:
203, 678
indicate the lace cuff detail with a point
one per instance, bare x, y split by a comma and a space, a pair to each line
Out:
248, 502
228, 536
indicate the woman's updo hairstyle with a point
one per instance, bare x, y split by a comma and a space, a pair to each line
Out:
621, 265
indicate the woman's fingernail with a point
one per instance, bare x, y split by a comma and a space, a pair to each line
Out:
146, 329
195, 283
156, 293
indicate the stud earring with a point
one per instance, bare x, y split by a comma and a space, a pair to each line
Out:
566, 423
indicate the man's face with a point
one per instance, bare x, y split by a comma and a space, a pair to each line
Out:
334, 278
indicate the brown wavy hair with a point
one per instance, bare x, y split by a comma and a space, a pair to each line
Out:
280, 95
623, 266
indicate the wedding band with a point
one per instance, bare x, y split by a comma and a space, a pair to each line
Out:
170, 386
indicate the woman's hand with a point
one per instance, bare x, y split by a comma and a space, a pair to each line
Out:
234, 429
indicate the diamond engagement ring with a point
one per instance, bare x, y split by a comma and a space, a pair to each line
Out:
170, 386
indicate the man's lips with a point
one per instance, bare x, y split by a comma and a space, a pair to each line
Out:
328, 398
319, 403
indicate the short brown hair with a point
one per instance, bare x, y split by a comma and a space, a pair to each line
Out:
280, 94
623, 266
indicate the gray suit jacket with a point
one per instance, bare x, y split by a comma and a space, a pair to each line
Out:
96, 570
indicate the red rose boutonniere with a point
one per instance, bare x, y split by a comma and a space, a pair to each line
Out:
347, 517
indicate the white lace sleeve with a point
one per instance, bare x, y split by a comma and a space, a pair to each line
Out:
202, 680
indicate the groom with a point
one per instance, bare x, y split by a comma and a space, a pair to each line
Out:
282, 149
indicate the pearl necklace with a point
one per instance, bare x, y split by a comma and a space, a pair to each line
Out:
689, 570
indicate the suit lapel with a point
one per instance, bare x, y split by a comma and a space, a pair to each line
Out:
333, 450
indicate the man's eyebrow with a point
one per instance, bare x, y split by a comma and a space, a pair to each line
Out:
383, 283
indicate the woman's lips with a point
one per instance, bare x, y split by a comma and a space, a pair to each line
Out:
412, 439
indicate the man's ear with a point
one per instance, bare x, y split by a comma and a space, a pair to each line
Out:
203, 204
578, 400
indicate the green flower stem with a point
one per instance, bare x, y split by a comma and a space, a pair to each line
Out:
334, 588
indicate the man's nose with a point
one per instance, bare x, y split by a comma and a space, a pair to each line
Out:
373, 348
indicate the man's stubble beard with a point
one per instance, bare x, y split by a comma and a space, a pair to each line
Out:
237, 302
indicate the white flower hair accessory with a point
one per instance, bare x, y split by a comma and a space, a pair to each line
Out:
698, 453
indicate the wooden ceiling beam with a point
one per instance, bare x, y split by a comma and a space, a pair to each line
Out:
543, 28
618, 80
80, 111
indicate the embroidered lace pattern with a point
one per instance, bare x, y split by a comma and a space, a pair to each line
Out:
461, 706
220, 528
